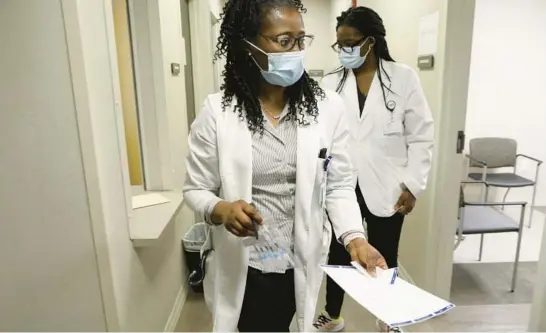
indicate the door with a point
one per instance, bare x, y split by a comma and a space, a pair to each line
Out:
218, 64
188, 68
449, 148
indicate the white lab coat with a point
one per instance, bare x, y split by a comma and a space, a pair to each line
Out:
220, 161
388, 151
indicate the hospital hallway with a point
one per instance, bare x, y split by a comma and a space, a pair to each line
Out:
131, 169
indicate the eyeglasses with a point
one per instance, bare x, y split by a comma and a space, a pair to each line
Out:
347, 48
287, 42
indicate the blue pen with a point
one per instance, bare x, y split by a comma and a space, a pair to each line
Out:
338, 266
327, 163
394, 275
254, 224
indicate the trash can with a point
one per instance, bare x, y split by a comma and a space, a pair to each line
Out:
192, 243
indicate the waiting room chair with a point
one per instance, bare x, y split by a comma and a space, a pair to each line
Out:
494, 153
481, 218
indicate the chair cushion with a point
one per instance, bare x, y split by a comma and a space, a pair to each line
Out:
503, 179
486, 220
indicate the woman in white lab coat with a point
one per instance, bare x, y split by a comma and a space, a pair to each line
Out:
267, 156
392, 136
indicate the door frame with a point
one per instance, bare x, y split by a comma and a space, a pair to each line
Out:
459, 28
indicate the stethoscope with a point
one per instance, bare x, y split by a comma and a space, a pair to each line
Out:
391, 104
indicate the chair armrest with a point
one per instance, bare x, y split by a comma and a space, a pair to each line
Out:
539, 162
476, 161
493, 204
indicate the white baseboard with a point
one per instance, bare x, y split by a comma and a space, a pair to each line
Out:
172, 321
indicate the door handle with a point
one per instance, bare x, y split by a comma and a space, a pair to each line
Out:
460, 142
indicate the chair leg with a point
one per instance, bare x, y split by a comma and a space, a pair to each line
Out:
532, 205
504, 198
481, 247
518, 248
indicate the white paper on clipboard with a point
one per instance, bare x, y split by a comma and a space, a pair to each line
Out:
396, 302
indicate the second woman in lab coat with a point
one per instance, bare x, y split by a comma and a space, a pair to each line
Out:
392, 132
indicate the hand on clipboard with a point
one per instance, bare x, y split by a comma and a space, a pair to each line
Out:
387, 296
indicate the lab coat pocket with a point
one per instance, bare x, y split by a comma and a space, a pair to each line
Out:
323, 191
322, 179
393, 128
394, 142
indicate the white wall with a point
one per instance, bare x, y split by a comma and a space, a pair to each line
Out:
49, 275
315, 20
336, 8
202, 14
508, 78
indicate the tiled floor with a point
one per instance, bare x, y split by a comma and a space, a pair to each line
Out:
490, 284
195, 317
489, 318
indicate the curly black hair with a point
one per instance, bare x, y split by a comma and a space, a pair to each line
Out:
242, 77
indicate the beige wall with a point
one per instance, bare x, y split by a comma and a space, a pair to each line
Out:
318, 12
67, 260
336, 7
203, 47
49, 279
146, 281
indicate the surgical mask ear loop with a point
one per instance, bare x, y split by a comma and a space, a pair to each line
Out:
368, 52
372, 44
254, 59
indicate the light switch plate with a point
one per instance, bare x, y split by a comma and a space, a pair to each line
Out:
316, 72
425, 62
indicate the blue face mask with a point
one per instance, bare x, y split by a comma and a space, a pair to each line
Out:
351, 59
284, 69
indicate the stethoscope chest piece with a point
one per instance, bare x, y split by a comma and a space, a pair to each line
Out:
391, 105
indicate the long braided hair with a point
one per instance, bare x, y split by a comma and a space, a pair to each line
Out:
242, 77
369, 24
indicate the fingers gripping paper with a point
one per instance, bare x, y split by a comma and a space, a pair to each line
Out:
393, 300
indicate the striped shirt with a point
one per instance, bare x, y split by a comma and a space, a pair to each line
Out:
274, 155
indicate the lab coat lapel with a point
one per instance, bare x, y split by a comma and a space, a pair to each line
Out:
350, 96
236, 163
375, 90
235, 150
307, 160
